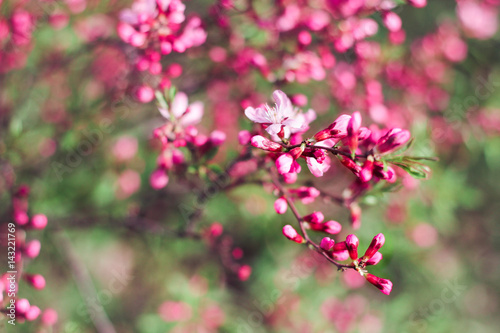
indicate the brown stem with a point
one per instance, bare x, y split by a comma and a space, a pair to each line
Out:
301, 222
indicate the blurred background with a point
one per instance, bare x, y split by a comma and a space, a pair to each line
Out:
73, 130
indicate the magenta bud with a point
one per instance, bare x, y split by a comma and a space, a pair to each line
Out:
417, 3
32, 248
32, 313
327, 244
37, 281
258, 141
352, 243
355, 211
217, 137
284, 163
244, 137
22, 306
145, 94
244, 272
158, 179
340, 255
280, 205
49, 317
377, 242
291, 234
391, 21
392, 140
315, 217
21, 217
350, 164
384, 285
330, 227
375, 259
341, 246
366, 172
39, 221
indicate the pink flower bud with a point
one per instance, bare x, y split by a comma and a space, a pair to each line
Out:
375, 245
177, 157
145, 94
355, 211
327, 244
49, 317
237, 253
417, 3
304, 37
367, 172
352, 243
20, 217
32, 313
386, 172
217, 137
391, 21
353, 127
215, 230
299, 99
291, 234
244, 137
284, 163
375, 259
392, 140
341, 246
350, 164
330, 227
258, 141
340, 255
290, 177
37, 281
244, 272
384, 285
22, 306
316, 217
32, 248
158, 179
39, 221
280, 205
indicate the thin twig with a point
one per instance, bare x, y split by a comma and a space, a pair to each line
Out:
85, 286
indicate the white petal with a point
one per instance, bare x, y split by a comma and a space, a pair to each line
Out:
179, 104
194, 114
283, 104
274, 129
164, 113
257, 115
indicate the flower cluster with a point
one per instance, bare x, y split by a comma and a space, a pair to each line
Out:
156, 28
179, 132
25, 250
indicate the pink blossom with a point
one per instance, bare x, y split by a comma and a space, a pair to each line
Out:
478, 20
281, 120
280, 205
171, 311
182, 113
